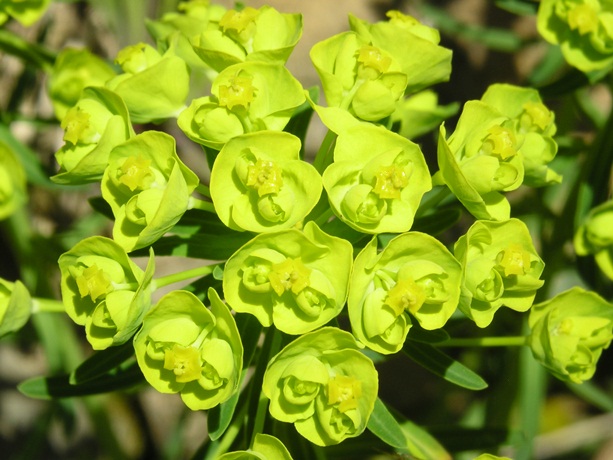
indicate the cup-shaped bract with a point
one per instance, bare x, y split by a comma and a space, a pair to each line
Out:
292, 279
358, 77
154, 86
250, 34
105, 291
187, 348
26, 12
594, 236
260, 184
15, 306
500, 266
73, 71
414, 45
481, 159
148, 188
569, 333
534, 127
98, 122
324, 385
13, 192
582, 29
377, 179
246, 97
414, 277
265, 447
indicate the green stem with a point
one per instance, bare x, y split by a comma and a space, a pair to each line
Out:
48, 305
195, 203
203, 190
197, 272
323, 157
513, 341
229, 436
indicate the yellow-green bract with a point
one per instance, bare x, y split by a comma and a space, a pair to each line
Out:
26, 12
534, 127
569, 333
377, 179
582, 28
480, 160
260, 184
265, 447
104, 290
296, 280
184, 347
248, 35
13, 192
15, 306
367, 70
414, 277
322, 384
74, 70
246, 97
153, 86
595, 237
148, 188
500, 267
98, 122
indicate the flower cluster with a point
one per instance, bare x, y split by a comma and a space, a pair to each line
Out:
594, 237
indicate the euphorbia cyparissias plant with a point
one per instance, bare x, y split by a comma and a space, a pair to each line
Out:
296, 280
322, 384
104, 290
184, 347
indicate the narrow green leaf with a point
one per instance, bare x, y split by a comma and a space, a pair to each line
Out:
419, 334
422, 444
60, 387
101, 363
592, 394
383, 425
443, 365
220, 417
100, 206
521, 7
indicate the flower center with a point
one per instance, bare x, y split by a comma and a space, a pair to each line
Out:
371, 58
135, 173
405, 295
265, 177
514, 260
344, 391
535, 117
238, 92
76, 126
390, 181
94, 282
238, 20
584, 18
291, 274
501, 142
184, 362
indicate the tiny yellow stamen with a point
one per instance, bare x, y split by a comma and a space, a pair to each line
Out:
76, 125
583, 18
184, 362
265, 177
344, 391
536, 115
136, 173
93, 282
239, 92
238, 20
501, 142
515, 261
291, 274
372, 57
405, 295
390, 181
